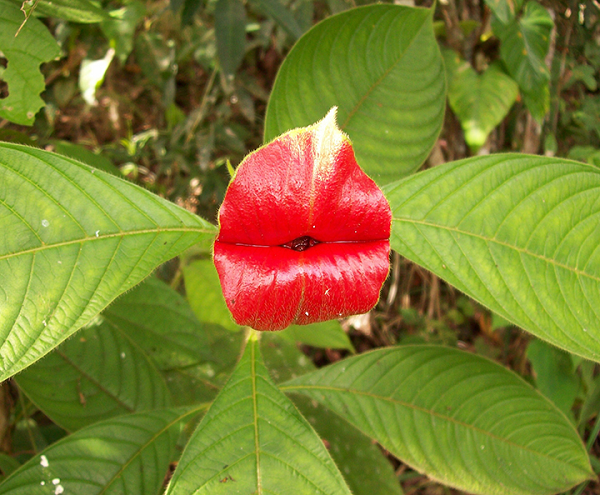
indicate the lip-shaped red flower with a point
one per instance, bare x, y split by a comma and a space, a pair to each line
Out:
304, 232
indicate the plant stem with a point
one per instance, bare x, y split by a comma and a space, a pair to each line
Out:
594, 434
26, 418
201, 110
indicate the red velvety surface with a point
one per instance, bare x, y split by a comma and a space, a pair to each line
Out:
270, 288
277, 196
304, 183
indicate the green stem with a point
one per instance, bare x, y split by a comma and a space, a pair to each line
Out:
201, 110
26, 419
594, 434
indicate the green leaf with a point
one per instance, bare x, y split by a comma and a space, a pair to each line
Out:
120, 28
362, 463
281, 15
585, 154
283, 358
86, 156
14, 136
584, 73
591, 403
202, 380
156, 57
128, 454
196, 359
524, 45
8, 464
161, 323
253, 440
326, 335
518, 233
79, 238
304, 13
33, 46
587, 113
538, 101
392, 108
230, 31
82, 11
190, 8
97, 375
459, 418
504, 10
466, 27
27, 436
554, 373
480, 101
204, 293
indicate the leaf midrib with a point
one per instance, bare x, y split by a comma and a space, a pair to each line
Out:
158, 230
526, 27
158, 378
151, 440
500, 243
94, 381
354, 392
253, 376
115, 319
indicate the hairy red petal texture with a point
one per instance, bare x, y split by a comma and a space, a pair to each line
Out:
270, 288
305, 190
283, 191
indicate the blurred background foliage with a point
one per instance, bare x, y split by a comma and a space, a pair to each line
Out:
166, 93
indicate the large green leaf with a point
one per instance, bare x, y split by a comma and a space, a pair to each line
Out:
202, 380
504, 10
97, 375
25, 52
382, 67
253, 440
283, 358
204, 293
196, 359
459, 418
120, 27
128, 454
538, 101
554, 373
524, 45
326, 335
78, 238
159, 321
86, 156
362, 463
282, 16
518, 233
8, 464
72, 10
230, 31
480, 101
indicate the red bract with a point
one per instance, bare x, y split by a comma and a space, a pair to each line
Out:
304, 233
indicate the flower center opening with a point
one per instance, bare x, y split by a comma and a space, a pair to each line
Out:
301, 243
